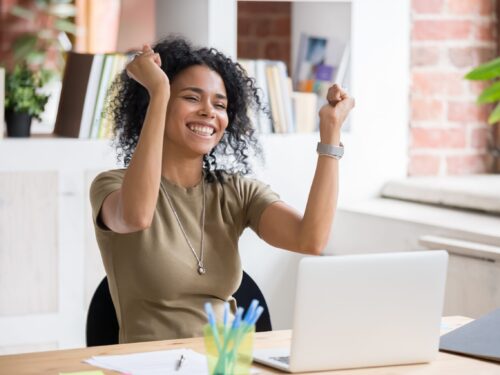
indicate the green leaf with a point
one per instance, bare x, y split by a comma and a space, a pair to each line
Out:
35, 58
490, 94
62, 10
495, 115
66, 26
22, 91
485, 71
24, 45
42, 4
22, 12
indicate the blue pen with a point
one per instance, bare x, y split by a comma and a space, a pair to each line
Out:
225, 319
251, 311
211, 321
257, 315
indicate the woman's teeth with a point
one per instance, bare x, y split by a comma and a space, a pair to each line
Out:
201, 130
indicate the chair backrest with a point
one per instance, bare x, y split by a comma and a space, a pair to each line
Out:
248, 291
102, 324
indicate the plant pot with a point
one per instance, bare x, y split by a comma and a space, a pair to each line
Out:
18, 124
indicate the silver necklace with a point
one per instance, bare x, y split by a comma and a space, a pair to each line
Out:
201, 267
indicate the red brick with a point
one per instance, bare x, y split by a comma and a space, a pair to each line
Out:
438, 138
425, 83
455, 84
426, 109
442, 30
424, 165
468, 57
464, 7
263, 7
480, 137
263, 28
245, 26
461, 57
465, 112
277, 51
427, 6
484, 54
432, 83
477, 87
281, 26
248, 49
486, 32
466, 164
424, 56
487, 7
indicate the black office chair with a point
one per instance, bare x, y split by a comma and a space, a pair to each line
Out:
102, 324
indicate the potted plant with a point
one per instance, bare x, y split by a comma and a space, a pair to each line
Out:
43, 46
23, 99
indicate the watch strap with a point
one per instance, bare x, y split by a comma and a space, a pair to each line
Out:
335, 152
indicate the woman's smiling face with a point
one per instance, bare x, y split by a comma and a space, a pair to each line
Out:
197, 111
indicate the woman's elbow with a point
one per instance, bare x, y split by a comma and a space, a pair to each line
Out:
137, 223
312, 248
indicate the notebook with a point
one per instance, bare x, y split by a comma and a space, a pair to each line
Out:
364, 310
480, 338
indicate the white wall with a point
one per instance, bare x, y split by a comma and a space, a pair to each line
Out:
210, 23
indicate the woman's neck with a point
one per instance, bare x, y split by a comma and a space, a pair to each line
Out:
182, 171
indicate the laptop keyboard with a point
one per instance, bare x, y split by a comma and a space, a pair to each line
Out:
284, 359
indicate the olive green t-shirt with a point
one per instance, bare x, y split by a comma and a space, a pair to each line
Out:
152, 274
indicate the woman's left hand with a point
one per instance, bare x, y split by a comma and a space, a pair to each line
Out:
333, 114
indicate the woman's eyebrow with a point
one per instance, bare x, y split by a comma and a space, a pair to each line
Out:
201, 91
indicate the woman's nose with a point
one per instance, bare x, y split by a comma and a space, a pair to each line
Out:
206, 109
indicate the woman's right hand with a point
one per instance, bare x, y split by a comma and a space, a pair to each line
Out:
145, 68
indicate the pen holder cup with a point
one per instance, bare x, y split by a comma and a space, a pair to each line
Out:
231, 357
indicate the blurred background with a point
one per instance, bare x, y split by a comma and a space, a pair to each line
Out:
421, 161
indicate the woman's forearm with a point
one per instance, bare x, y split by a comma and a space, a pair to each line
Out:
139, 192
321, 203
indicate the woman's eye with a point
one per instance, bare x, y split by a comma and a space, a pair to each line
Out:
191, 98
220, 106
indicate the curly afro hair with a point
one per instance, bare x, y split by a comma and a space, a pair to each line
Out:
128, 101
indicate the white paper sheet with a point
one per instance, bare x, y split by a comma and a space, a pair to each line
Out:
153, 363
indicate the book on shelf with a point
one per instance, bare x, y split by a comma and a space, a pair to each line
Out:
2, 101
275, 92
86, 82
305, 106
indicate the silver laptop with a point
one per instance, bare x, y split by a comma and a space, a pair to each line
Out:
363, 311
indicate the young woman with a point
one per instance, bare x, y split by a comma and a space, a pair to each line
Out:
168, 225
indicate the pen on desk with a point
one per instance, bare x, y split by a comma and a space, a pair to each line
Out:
180, 362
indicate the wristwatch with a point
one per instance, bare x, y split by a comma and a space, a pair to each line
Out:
335, 152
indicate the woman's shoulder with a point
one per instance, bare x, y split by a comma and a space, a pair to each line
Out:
112, 176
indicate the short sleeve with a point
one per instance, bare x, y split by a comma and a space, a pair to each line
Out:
103, 185
255, 197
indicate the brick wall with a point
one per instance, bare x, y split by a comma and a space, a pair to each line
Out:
10, 28
448, 130
264, 30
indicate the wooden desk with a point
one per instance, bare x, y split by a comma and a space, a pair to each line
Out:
71, 360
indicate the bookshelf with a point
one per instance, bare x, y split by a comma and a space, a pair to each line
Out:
376, 147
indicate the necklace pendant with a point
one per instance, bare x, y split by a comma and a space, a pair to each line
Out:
201, 270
